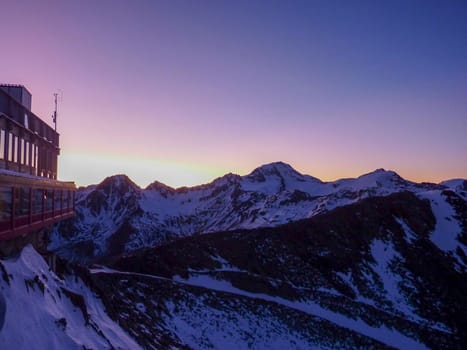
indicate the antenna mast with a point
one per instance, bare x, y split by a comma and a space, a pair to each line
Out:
54, 116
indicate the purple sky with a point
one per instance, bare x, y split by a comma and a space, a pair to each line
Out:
185, 91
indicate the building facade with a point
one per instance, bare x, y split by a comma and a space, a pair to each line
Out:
31, 197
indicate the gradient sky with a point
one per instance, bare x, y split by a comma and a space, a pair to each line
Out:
185, 91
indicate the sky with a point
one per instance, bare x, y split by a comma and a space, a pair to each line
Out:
185, 91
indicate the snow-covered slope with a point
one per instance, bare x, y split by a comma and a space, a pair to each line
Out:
44, 311
457, 185
450, 232
117, 216
362, 276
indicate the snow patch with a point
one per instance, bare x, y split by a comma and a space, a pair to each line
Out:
39, 314
447, 226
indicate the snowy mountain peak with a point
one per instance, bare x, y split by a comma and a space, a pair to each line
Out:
455, 184
382, 177
227, 179
278, 169
160, 187
120, 183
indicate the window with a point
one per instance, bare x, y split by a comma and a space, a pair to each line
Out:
58, 199
22, 201
10, 147
66, 203
21, 147
15, 149
26, 154
36, 155
2, 144
38, 195
33, 157
5, 203
49, 200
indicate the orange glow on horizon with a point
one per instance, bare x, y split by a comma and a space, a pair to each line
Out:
88, 169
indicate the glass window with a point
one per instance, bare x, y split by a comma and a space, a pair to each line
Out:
10, 147
2, 144
36, 155
65, 198
26, 153
33, 153
5, 203
58, 199
38, 195
15, 149
22, 201
49, 200
21, 147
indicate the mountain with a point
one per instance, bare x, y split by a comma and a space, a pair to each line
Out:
384, 272
117, 216
366, 275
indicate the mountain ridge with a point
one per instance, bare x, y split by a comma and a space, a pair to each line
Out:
265, 168
117, 215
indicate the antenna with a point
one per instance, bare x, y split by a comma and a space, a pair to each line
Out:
54, 116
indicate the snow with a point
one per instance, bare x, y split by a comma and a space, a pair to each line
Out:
280, 182
384, 334
219, 329
454, 184
388, 336
385, 255
410, 235
447, 227
48, 319
271, 195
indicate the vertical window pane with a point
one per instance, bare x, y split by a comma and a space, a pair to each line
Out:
10, 147
38, 195
15, 149
65, 199
5, 203
22, 201
36, 154
21, 147
33, 158
58, 200
49, 200
26, 154
2, 144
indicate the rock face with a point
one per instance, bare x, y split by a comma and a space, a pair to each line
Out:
366, 275
117, 216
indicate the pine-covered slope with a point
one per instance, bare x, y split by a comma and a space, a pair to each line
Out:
117, 216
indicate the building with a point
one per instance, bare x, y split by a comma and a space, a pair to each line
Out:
31, 197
